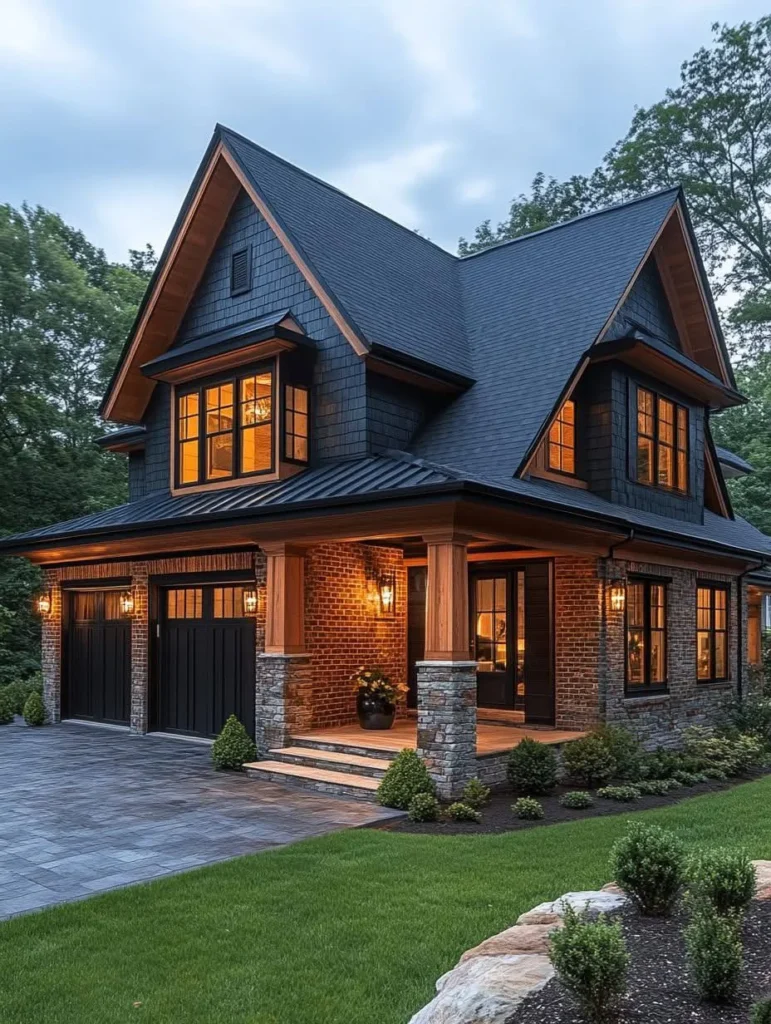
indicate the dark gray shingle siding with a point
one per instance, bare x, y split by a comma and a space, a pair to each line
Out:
395, 412
136, 475
647, 305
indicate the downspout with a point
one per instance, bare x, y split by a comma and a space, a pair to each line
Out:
739, 617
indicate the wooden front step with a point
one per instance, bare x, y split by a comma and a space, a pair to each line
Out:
323, 780
349, 749
334, 760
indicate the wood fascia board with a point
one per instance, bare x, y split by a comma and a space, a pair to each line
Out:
315, 284
407, 375
714, 473
670, 291
225, 361
160, 284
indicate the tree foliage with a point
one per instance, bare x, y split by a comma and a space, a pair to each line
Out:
712, 135
65, 311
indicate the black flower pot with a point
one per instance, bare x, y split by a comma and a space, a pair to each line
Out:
374, 712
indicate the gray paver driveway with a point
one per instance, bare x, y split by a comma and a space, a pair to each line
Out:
83, 810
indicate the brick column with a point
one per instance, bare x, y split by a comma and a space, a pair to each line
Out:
140, 639
51, 648
284, 682
447, 712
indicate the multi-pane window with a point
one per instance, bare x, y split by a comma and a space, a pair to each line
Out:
662, 442
225, 429
562, 440
296, 423
711, 632
491, 624
646, 635
184, 603
228, 602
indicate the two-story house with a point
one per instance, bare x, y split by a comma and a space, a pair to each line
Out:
492, 476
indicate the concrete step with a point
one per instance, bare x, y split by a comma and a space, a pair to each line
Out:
334, 760
354, 749
321, 780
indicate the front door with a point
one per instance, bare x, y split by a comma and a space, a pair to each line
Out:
206, 660
498, 637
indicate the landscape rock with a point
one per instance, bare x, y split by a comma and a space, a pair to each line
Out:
595, 901
520, 938
612, 887
539, 917
762, 879
485, 990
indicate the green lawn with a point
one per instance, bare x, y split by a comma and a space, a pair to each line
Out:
349, 929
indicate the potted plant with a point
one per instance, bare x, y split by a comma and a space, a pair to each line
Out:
376, 698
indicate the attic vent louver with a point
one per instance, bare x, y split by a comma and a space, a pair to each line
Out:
240, 276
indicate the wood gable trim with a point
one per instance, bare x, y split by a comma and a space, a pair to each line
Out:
181, 273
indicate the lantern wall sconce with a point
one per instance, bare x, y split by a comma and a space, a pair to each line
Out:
44, 603
127, 603
251, 601
617, 595
386, 586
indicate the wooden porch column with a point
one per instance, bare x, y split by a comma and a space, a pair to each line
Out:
447, 612
447, 721
284, 683
285, 600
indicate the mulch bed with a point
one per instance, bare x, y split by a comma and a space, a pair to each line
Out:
498, 816
660, 990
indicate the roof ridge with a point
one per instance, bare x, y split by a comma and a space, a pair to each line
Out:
333, 188
573, 220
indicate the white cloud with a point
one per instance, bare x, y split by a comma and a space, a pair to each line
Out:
47, 57
474, 190
123, 213
387, 183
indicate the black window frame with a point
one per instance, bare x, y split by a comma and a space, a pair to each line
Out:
247, 287
284, 433
713, 586
559, 445
200, 386
646, 688
677, 407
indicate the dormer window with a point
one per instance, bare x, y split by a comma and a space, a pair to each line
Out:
561, 456
662, 442
224, 428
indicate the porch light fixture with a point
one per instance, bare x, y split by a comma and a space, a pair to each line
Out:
386, 586
44, 603
251, 602
617, 595
126, 603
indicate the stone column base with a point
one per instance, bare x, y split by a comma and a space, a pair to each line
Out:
283, 698
447, 723
51, 649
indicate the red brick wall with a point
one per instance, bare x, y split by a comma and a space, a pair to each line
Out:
577, 613
342, 629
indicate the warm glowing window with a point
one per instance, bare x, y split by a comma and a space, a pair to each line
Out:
228, 602
646, 635
256, 423
185, 603
562, 440
711, 632
491, 624
662, 442
296, 423
225, 429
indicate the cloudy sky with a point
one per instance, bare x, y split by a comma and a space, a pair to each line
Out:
435, 112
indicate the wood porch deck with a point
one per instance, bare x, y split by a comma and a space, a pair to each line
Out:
491, 739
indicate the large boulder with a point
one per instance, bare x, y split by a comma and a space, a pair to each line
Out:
762, 879
485, 990
520, 938
593, 901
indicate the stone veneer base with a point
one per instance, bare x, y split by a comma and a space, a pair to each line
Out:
283, 698
447, 723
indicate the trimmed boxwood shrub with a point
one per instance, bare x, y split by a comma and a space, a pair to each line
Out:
588, 762
7, 708
591, 961
34, 709
233, 747
462, 812
725, 879
714, 946
624, 748
654, 787
423, 807
624, 794
761, 1012
406, 776
532, 768
475, 793
527, 808
577, 800
649, 865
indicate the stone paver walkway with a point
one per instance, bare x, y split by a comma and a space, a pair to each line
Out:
84, 809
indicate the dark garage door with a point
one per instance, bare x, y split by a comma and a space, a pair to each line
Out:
98, 658
206, 655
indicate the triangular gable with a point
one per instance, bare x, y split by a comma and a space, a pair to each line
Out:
180, 269
672, 250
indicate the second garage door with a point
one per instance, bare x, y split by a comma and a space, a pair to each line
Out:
206, 666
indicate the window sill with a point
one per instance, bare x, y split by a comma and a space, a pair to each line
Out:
636, 700
714, 684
